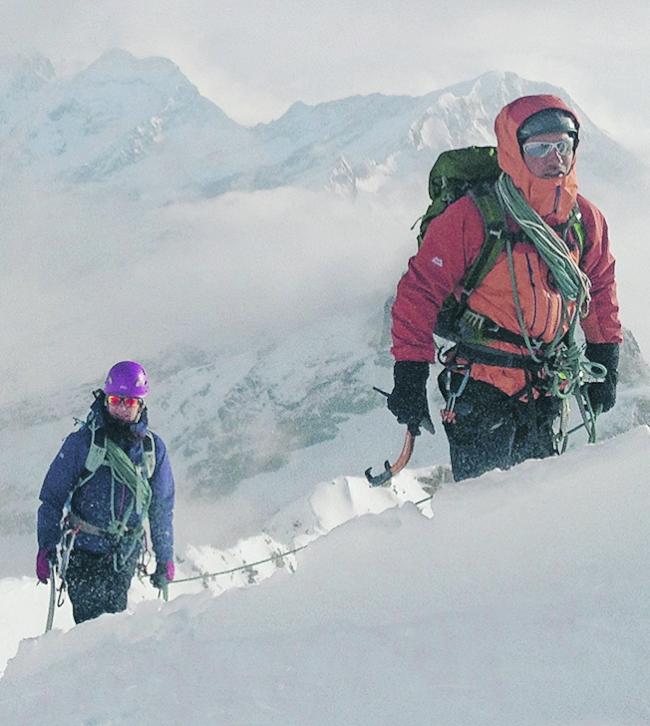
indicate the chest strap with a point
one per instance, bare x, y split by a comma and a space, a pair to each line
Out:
476, 329
75, 522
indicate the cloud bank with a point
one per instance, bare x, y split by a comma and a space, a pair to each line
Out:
87, 281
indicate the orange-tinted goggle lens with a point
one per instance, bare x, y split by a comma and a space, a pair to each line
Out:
128, 401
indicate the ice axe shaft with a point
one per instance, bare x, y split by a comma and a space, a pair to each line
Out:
50, 611
391, 469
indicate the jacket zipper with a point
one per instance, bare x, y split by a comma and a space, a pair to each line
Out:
556, 204
532, 285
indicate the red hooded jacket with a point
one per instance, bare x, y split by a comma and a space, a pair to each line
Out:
453, 241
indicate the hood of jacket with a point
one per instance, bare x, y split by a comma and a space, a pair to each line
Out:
552, 199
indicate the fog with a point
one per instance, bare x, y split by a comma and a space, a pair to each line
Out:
87, 280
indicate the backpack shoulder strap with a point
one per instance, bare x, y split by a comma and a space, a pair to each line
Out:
577, 227
149, 456
97, 451
96, 454
494, 227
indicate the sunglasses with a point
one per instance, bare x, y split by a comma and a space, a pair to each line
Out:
128, 401
540, 149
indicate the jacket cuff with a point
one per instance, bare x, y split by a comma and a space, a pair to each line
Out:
416, 371
607, 354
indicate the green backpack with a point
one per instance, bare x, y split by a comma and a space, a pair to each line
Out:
455, 173
471, 171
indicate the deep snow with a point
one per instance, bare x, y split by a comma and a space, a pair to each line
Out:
523, 600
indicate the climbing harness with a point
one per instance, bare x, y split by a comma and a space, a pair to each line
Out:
135, 477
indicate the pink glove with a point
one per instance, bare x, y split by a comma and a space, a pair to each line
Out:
43, 565
170, 570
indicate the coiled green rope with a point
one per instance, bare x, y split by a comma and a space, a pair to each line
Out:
567, 368
571, 281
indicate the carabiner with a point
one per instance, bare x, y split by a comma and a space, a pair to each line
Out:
448, 414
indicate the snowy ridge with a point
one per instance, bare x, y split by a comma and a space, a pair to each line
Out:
298, 525
140, 126
522, 601
250, 560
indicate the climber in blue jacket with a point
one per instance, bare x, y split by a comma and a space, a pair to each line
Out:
107, 479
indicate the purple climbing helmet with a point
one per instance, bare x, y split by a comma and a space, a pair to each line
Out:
127, 378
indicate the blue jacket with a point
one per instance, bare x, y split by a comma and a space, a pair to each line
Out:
92, 501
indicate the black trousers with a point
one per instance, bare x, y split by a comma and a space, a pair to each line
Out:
494, 431
95, 587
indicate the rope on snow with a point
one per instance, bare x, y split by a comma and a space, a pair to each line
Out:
273, 558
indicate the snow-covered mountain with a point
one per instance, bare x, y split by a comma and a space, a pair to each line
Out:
139, 125
119, 120
362, 142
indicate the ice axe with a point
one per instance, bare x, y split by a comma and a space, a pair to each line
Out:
391, 469
50, 611
402, 460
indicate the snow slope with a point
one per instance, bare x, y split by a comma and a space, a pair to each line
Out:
523, 600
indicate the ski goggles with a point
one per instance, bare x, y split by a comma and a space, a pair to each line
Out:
128, 401
540, 149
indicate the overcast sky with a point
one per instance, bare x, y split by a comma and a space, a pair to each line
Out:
256, 57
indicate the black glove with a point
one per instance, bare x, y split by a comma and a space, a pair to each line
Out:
408, 401
603, 395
